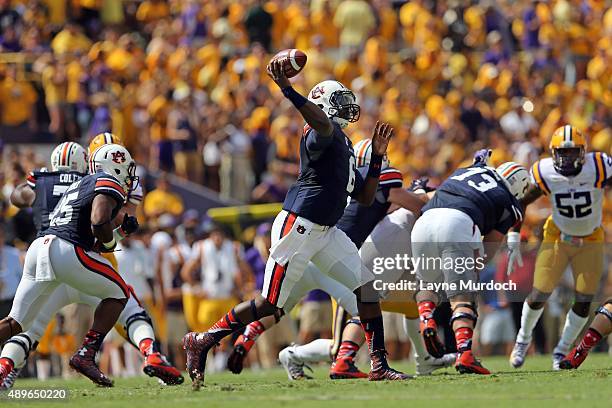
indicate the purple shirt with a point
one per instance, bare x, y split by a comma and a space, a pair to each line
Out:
258, 265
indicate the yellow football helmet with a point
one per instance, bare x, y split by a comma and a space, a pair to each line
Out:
103, 139
568, 147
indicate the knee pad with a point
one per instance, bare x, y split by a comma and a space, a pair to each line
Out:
581, 308
464, 315
141, 316
537, 299
602, 310
353, 320
23, 341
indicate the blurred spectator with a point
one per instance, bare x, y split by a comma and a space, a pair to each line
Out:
497, 327
17, 107
10, 273
187, 161
273, 340
258, 24
355, 20
315, 317
161, 200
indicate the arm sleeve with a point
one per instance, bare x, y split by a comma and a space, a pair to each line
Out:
110, 186
537, 179
390, 178
31, 180
359, 181
316, 143
603, 168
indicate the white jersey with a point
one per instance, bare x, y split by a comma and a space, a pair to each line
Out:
576, 200
219, 268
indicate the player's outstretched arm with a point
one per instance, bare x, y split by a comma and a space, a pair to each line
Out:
312, 114
532, 194
407, 199
101, 221
23, 196
380, 141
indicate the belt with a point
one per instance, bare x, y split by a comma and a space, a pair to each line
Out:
572, 239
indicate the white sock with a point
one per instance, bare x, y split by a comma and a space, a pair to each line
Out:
411, 327
15, 352
572, 328
43, 369
140, 330
529, 318
315, 351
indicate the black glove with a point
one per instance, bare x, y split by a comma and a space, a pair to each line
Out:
129, 224
420, 183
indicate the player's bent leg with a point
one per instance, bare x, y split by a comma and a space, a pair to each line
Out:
533, 307
344, 366
245, 342
14, 354
425, 363
575, 321
88, 272
463, 321
599, 329
426, 304
140, 333
197, 345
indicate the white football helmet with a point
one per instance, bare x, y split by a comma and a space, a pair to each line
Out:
337, 101
363, 152
69, 156
115, 160
516, 178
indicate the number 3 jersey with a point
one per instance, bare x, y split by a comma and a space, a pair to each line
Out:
71, 218
327, 177
479, 192
577, 200
49, 187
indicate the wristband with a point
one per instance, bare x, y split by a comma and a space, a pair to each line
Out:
296, 99
375, 165
110, 244
118, 234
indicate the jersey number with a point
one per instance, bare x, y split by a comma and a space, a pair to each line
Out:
350, 185
486, 184
62, 214
578, 210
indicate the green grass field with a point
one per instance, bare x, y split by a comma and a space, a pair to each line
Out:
534, 385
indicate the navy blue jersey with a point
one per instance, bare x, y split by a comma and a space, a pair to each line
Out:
71, 218
327, 177
481, 193
49, 187
359, 220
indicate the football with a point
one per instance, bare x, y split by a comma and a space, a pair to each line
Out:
293, 61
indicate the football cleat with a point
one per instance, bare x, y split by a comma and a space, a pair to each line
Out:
518, 355
573, 359
381, 371
6, 368
235, 361
556, 361
196, 346
429, 364
10, 379
84, 362
292, 364
345, 368
429, 332
467, 364
156, 365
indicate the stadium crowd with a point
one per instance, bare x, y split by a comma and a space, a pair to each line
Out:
183, 83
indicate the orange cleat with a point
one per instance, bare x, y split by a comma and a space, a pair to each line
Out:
429, 332
345, 368
156, 365
467, 364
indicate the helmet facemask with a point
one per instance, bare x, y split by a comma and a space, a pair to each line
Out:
343, 109
568, 161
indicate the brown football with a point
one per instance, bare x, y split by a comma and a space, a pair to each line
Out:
293, 61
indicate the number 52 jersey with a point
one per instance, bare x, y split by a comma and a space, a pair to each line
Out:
71, 218
577, 200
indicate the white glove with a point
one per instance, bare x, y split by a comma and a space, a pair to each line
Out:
514, 249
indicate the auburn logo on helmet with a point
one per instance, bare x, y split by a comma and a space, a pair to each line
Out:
118, 157
317, 92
